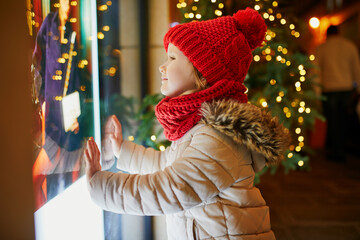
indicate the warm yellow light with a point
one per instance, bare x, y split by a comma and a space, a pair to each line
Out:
307, 110
301, 144
297, 34
280, 48
302, 72
288, 63
283, 60
221, 5
301, 163
103, 7
178, 5
302, 104
302, 78
257, 7
275, 3
73, 20
298, 89
191, 15
272, 81
298, 130
100, 35
288, 114
278, 99
290, 155
73, 3
112, 71
194, 8
301, 110
109, 3
278, 58
271, 18
312, 57
162, 148
263, 102
213, 1
183, 4
298, 149
268, 57
278, 15
106, 28
292, 26
314, 22
292, 147
300, 138
153, 138
198, 16
281, 93
131, 138
61, 60
285, 51
297, 84
268, 50
286, 109
283, 21
301, 67
186, 15
300, 119
218, 13
266, 15
256, 58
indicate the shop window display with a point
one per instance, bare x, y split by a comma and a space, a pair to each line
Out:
61, 94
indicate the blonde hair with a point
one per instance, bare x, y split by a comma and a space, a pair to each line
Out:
200, 82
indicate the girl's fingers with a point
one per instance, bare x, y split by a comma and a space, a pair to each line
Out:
95, 148
117, 125
89, 149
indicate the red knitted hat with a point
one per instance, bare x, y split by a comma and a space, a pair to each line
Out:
220, 48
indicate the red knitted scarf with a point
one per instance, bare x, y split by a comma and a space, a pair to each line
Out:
179, 114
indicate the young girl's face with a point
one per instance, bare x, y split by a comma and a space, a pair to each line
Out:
177, 74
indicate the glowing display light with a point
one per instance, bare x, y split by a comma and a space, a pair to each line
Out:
314, 22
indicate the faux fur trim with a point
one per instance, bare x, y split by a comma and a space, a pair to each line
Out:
249, 125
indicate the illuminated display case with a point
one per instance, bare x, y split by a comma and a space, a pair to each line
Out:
75, 72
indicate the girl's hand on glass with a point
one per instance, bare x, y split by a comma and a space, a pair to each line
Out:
113, 132
92, 159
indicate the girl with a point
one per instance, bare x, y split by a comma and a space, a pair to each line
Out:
203, 182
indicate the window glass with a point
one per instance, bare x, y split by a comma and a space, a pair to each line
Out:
61, 70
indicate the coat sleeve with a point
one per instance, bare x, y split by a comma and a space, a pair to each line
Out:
206, 168
137, 159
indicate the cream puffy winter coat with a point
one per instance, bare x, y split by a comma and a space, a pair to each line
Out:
203, 182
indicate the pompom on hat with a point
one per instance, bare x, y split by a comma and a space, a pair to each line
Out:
220, 48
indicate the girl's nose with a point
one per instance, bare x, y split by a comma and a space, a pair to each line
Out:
162, 68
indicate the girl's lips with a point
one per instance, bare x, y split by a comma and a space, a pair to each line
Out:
164, 79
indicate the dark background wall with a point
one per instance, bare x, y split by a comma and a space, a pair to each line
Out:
16, 199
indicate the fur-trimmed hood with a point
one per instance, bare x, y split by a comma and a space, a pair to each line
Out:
249, 125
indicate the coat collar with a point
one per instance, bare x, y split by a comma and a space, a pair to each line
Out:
249, 125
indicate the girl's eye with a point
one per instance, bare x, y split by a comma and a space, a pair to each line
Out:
171, 58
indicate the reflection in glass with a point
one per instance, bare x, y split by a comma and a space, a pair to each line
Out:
62, 93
